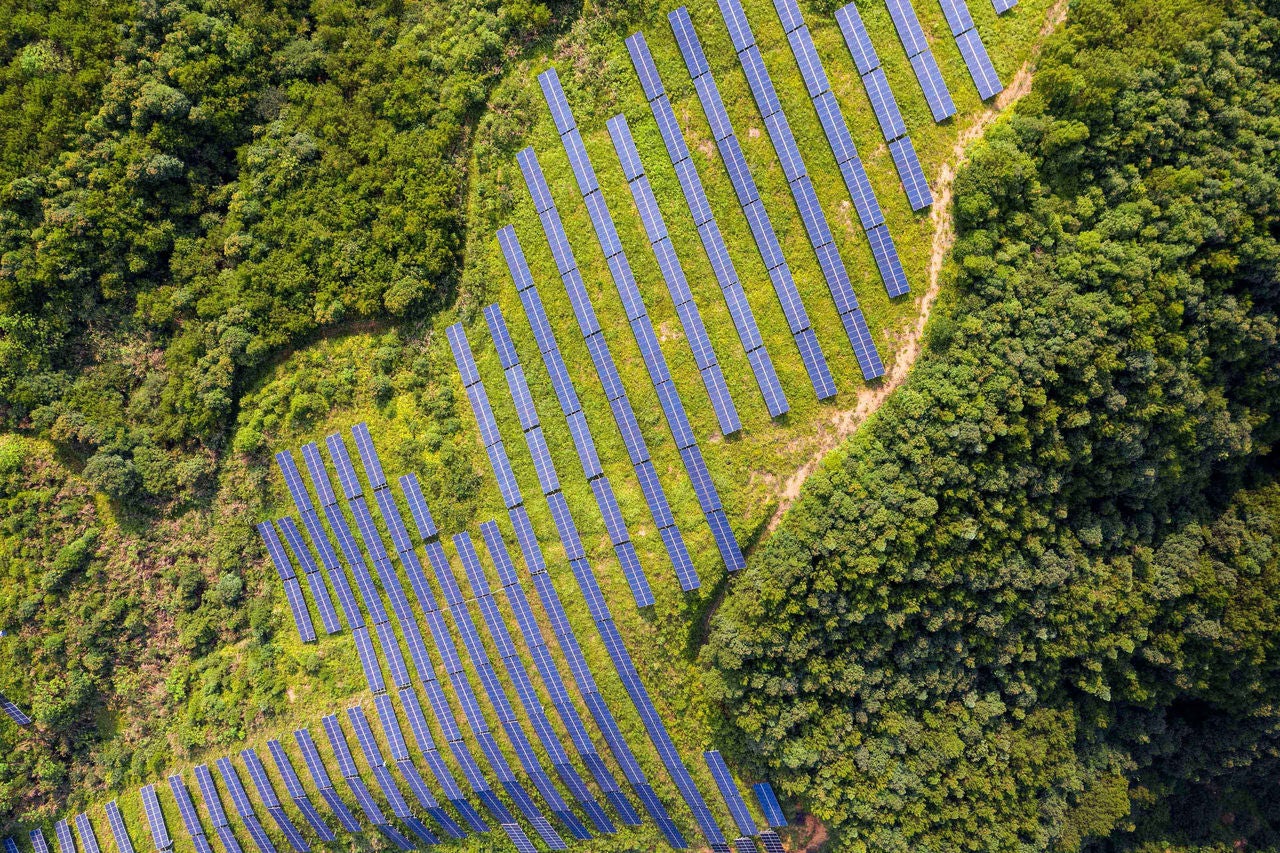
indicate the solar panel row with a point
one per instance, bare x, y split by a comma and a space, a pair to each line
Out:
605, 370
729, 792
120, 832
769, 804
62, 832
1002, 6
677, 284
187, 811
978, 62
88, 838
748, 198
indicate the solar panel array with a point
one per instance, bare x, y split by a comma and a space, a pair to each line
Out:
655, 227
244, 809
815, 222
15, 713
297, 793
886, 109
713, 243
320, 776
912, 36
729, 792
624, 417
347, 767
744, 186
531, 425
213, 805
382, 775
399, 749
836, 129
187, 811
292, 589
120, 832
642, 329
267, 793
518, 674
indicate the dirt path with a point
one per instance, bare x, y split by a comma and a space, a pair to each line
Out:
843, 423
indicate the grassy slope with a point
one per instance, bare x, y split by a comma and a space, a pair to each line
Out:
748, 470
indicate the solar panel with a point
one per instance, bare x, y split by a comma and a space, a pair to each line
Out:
1002, 6
186, 808
833, 126
957, 14
368, 455
709, 94
886, 255
806, 56
913, 179
857, 39
518, 838
602, 221
784, 144
729, 791
258, 775
884, 104
650, 351
908, 26
588, 324
10, 846
767, 379
703, 486
736, 20
669, 128
209, 793
513, 252
88, 838
769, 804
933, 86
62, 832
340, 810
580, 162
815, 364
235, 788
341, 751
119, 831
228, 838
368, 659
364, 799
316, 471
855, 326
860, 191
655, 227
979, 63
483, 411
155, 817
284, 568
815, 221
342, 463
298, 606
554, 96
534, 180
38, 842
15, 713
646, 70
735, 164
418, 508
770, 842
293, 479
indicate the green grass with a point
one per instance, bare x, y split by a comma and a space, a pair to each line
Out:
412, 427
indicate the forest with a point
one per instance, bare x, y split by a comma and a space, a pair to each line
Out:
1034, 601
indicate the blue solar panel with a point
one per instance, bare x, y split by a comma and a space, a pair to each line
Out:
588, 324
209, 793
292, 784
311, 757
736, 20
767, 379
186, 808
735, 163
341, 752
418, 508
340, 809
769, 804
762, 230
789, 14
815, 364
1002, 6
691, 185
815, 221
606, 233
669, 128
729, 791
864, 348
703, 486
709, 94
784, 286
319, 477
837, 277
368, 455
342, 463
368, 659
155, 817
275, 550
884, 104
580, 162
62, 832
120, 832
913, 179
88, 838
513, 252
483, 411
690, 47
298, 606
10, 846
833, 126
957, 14
293, 479
289, 830
979, 63
857, 38
886, 255
554, 95
228, 838
933, 86
373, 813
908, 26
518, 386
806, 55
646, 70
650, 351
784, 144
534, 180
584, 444
864, 197
38, 842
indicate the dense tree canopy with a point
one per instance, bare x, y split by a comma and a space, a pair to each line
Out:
189, 187
1027, 605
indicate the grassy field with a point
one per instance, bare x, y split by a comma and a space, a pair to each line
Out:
404, 385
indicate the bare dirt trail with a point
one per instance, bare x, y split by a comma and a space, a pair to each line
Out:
843, 423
